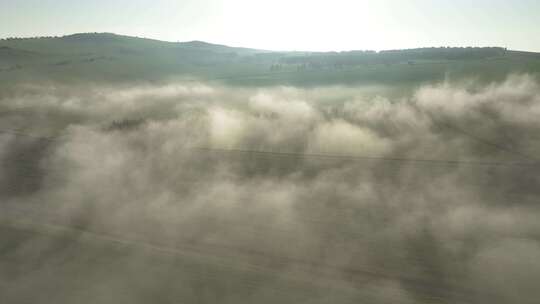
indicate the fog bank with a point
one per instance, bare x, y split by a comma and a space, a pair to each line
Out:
428, 197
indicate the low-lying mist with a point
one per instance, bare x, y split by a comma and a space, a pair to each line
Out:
312, 195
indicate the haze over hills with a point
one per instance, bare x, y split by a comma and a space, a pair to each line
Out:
135, 170
111, 57
238, 152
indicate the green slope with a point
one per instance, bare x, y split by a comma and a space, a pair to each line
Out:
108, 57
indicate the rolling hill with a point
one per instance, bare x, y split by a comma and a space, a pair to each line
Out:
105, 57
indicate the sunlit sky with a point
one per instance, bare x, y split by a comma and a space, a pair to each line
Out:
309, 25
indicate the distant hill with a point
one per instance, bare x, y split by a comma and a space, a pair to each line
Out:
108, 42
111, 57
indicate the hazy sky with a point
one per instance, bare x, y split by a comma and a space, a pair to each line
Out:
288, 24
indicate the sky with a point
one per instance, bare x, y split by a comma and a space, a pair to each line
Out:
287, 24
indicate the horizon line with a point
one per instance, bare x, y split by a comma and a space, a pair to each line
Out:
256, 49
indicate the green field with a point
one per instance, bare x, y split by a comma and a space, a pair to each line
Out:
109, 57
